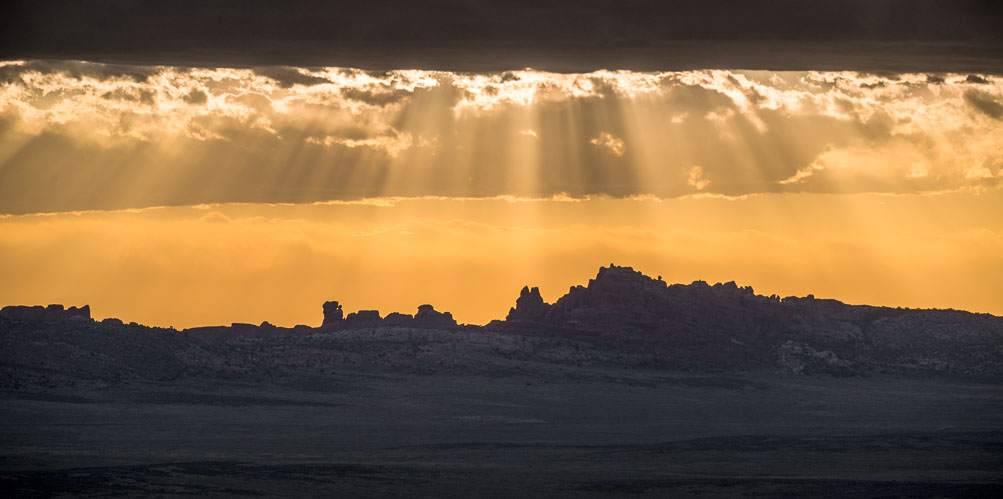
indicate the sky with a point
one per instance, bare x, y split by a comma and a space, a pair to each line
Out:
483, 36
176, 175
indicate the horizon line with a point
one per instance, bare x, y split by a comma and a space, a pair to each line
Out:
781, 299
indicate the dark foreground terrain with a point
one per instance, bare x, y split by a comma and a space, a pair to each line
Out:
624, 387
538, 430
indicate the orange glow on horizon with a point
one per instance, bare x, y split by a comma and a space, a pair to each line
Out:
280, 188
191, 266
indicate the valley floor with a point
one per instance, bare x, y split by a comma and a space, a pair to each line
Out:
539, 430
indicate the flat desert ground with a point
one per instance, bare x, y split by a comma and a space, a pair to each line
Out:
529, 429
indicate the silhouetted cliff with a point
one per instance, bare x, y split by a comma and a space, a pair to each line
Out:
724, 325
51, 313
529, 306
426, 317
620, 317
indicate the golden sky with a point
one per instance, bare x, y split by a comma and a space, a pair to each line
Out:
184, 197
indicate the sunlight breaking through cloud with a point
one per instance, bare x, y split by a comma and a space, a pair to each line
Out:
80, 136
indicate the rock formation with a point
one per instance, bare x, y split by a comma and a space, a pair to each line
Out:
620, 316
529, 306
363, 318
51, 313
428, 316
701, 325
332, 313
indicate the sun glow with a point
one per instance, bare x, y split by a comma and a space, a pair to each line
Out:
214, 264
291, 186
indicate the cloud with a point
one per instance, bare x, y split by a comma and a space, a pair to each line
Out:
81, 136
984, 104
696, 178
196, 97
287, 77
607, 141
378, 96
392, 144
215, 217
560, 35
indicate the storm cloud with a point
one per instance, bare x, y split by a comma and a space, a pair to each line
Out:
472, 35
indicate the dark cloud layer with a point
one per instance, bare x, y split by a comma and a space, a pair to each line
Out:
565, 35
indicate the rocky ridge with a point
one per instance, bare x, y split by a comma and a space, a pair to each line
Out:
620, 317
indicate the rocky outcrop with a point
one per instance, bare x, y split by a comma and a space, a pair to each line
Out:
529, 306
363, 318
620, 316
240, 330
728, 326
51, 313
426, 317
333, 313
398, 319
802, 359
